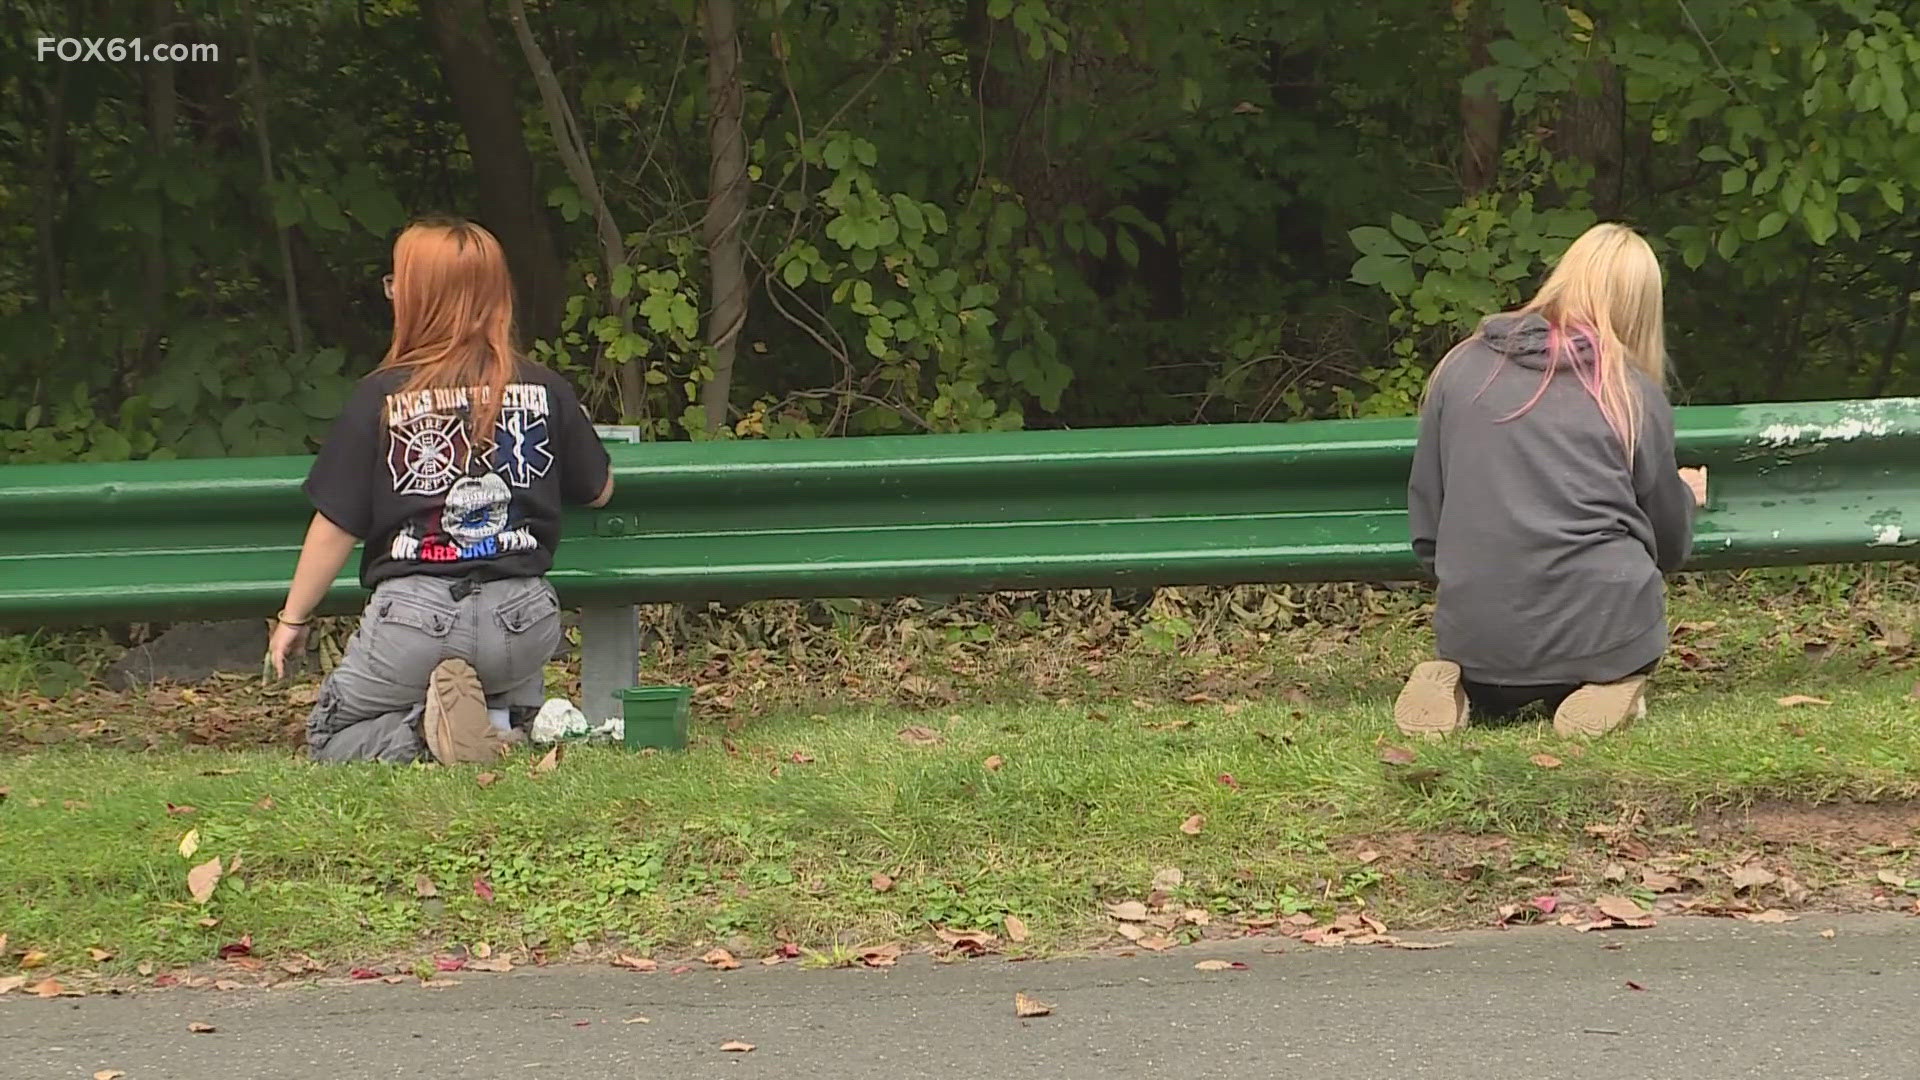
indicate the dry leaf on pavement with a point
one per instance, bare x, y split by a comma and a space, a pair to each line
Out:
631, 963
201, 880
48, 988
1128, 911
1659, 882
1619, 907
1793, 700
1026, 1008
1016, 929
1889, 877
1772, 916
720, 960
883, 956
11, 983
1194, 824
1219, 965
1131, 931
736, 1047
109, 1074
201, 1029
1828, 934
1752, 876
497, 965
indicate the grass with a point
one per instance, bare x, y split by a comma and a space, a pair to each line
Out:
774, 830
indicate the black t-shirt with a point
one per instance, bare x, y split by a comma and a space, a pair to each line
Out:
400, 471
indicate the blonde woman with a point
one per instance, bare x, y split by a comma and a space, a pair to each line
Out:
1546, 499
452, 462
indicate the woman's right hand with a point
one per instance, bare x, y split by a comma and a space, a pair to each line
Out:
285, 643
1696, 480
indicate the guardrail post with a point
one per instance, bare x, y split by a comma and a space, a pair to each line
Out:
609, 657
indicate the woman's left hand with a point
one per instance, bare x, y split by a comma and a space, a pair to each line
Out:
286, 642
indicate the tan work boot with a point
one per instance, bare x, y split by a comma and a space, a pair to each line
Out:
1433, 703
1596, 709
457, 728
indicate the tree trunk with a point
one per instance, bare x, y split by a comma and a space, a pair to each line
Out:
482, 89
257, 93
726, 206
1903, 312
162, 112
1592, 129
1482, 119
572, 147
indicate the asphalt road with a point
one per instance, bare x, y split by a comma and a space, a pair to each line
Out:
1720, 1000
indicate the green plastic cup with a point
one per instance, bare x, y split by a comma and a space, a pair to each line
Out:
655, 716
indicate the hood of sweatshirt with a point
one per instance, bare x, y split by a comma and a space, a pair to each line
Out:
1522, 338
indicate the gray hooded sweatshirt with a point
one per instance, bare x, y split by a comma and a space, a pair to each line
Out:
1549, 546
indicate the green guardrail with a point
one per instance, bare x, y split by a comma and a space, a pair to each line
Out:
1790, 484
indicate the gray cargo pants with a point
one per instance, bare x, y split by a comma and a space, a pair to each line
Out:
371, 705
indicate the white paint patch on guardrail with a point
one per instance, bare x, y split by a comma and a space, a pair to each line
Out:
1865, 420
1886, 536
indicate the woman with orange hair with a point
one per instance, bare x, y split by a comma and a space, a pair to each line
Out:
452, 462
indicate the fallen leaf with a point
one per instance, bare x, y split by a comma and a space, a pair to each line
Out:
497, 965
11, 983
100, 956
438, 984
1659, 882
265, 803
1158, 943
201, 880
109, 1074
208, 923
1828, 934
720, 960
1016, 929
34, 958
800, 757
994, 763
1227, 779
883, 956
638, 1020
48, 988
486, 779
1545, 761
1618, 907
483, 889
1128, 911
681, 969
971, 943
1367, 858
1194, 824
1545, 905
1027, 1008
77, 804
1794, 700
1771, 916
1889, 877
1419, 946
636, 963
737, 1047
243, 947
177, 811
1196, 917
882, 883
1131, 931
1395, 755
190, 843
1631, 985
1168, 879
1219, 965
449, 963
363, 974
551, 761
772, 960
201, 1029
1752, 876
916, 735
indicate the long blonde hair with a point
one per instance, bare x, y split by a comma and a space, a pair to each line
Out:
1605, 293
453, 315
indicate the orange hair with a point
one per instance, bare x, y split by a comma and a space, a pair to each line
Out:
453, 316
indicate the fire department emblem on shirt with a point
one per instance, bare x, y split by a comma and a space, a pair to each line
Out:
427, 454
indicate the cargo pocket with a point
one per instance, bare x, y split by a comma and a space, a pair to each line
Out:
405, 639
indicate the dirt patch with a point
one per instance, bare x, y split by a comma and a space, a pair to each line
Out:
1838, 827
